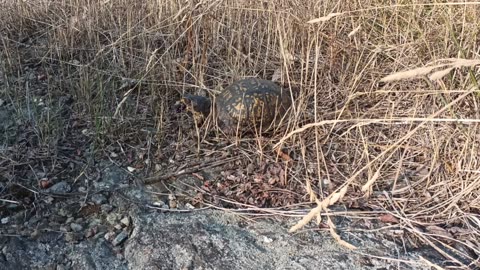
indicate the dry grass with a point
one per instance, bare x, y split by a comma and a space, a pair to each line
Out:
408, 144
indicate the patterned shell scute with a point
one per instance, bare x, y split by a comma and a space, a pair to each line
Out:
252, 101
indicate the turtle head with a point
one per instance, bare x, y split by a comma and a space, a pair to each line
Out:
199, 106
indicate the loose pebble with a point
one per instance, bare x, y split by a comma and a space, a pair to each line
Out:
5, 220
113, 218
120, 238
99, 199
90, 233
267, 240
109, 236
125, 221
69, 237
64, 228
106, 208
60, 187
76, 227
159, 203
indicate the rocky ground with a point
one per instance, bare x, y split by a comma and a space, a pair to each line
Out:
67, 205
132, 228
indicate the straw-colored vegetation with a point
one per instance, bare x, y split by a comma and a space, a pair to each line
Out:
386, 113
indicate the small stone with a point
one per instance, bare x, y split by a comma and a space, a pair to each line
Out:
64, 229
100, 234
76, 227
109, 236
106, 208
49, 200
5, 220
113, 218
69, 237
159, 203
70, 219
63, 212
60, 187
58, 219
79, 220
33, 220
99, 199
172, 201
34, 234
89, 233
120, 238
94, 222
118, 227
125, 221
267, 240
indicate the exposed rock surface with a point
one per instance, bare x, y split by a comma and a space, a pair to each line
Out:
199, 240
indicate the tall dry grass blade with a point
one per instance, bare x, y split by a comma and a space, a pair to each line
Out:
354, 31
367, 188
437, 75
422, 71
330, 200
325, 18
337, 237
409, 74
306, 219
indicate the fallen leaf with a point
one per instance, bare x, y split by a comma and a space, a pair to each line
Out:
433, 229
284, 156
388, 218
44, 183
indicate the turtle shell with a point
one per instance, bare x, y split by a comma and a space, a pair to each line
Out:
251, 102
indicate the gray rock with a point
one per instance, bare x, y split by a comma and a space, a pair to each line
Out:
204, 240
106, 208
120, 238
112, 218
215, 240
113, 176
76, 227
60, 187
99, 198
125, 221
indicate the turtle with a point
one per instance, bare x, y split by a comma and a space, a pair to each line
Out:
244, 105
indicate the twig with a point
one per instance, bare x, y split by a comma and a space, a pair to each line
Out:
196, 168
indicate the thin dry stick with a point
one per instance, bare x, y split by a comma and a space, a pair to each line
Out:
163, 177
